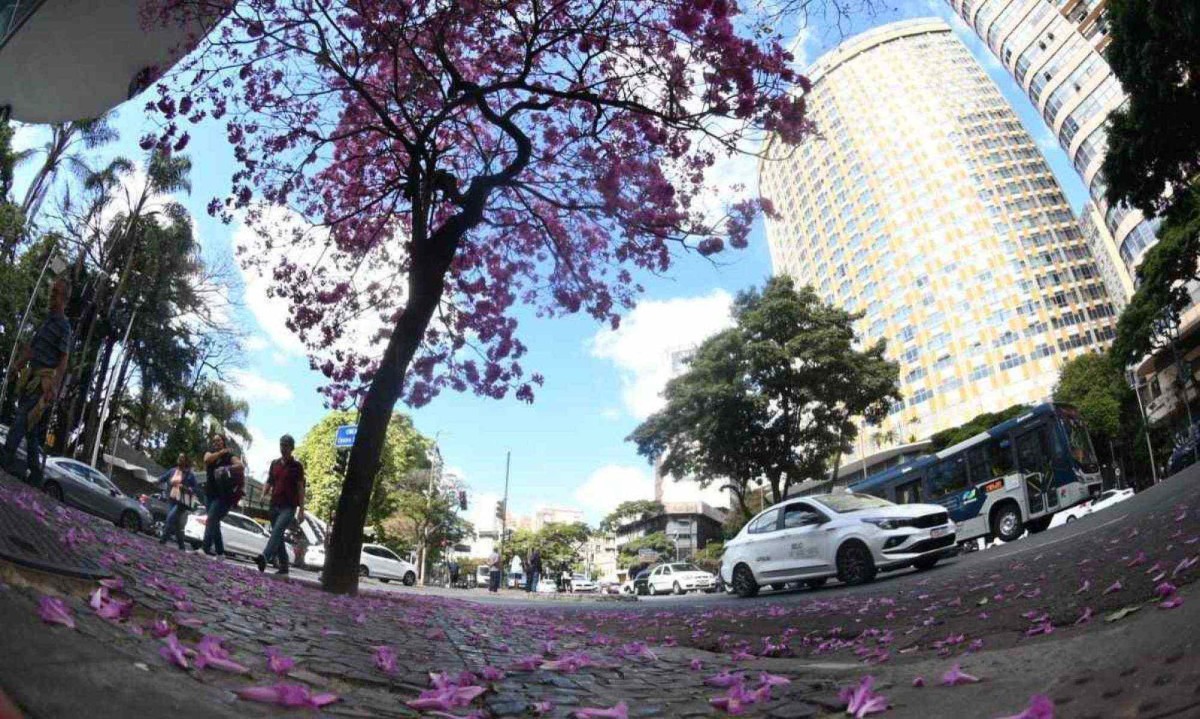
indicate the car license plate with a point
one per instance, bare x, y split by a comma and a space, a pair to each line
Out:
939, 532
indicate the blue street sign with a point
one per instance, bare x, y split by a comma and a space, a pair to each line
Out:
345, 436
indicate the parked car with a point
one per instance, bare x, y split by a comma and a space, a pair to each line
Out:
582, 583
639, 584
1182, 457
241, 535
375, 561
677, 578
1104, 500
848, 535
546, 586
88, 489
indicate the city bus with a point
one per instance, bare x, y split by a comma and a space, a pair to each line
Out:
1003, 481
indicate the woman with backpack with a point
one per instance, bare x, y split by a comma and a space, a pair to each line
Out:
181, 488
221, 490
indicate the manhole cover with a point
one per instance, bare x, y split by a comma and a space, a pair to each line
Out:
26, 541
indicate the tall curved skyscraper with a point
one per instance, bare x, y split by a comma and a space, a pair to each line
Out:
925, 204
1052, 48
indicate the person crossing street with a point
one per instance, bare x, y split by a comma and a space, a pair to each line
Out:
181, 488
285, 483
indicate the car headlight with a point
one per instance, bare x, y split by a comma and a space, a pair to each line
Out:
886, 523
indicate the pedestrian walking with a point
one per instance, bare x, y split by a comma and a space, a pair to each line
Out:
220, 492
40, 368
453, 569
494, 572
285, 483
566, 580
534, 569
181, 490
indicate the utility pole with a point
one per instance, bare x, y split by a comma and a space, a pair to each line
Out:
1137, 392
504, 517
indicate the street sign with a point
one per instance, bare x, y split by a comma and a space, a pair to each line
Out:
647, 555
345, 436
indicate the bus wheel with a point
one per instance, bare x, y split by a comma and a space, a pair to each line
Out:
1006, 522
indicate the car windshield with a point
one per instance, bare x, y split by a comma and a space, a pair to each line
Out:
851, 502
684, 568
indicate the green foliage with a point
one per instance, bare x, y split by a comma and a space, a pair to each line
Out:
559, 544
773, 398
1153, 143
978, 423
709, 558
631, 511
658, 541
404, 454
1154, 311
1097, 389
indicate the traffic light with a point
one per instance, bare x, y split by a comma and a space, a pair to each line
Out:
500, 510
462, 499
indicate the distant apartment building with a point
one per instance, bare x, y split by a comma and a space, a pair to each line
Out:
555, 515
1053, 49
689, 526
925, 205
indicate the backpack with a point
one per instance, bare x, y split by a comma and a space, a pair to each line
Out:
222, 484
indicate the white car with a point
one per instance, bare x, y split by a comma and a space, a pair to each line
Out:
582, 583
1104, 500
847, 535
678, 578
546, 586
375, 561
240, 534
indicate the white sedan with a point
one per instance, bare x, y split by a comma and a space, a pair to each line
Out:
678, 578
240, 534
849, 536
375, 560
1104, 500
582, 583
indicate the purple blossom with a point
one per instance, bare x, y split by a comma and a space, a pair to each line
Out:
385, 660
861, 701
957, 676
1040, 707
53, 610
278, 662
620, 711
286, 695
174, 652
1114, 587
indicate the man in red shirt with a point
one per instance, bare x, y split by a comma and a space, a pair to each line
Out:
285, 483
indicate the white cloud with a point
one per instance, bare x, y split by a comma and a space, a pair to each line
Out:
612, 484
260, 453
270, 312
611, 413
257, 343
252, 386
799, 48
641, 348
280, 358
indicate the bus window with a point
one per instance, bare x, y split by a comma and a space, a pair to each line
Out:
1032, 452
977, 462
909, 493
1000, 455
950, 476
1078, 442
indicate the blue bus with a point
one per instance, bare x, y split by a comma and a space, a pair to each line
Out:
1005, 480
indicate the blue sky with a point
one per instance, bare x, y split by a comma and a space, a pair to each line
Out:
568, 448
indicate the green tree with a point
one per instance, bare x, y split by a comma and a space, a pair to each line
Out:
658, 541
1095, 386
405, 452
631, 511
772, 399
559, 543
1153, 143
979, 423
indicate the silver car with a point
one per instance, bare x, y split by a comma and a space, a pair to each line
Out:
88, 489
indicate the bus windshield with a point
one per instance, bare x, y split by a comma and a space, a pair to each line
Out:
1078, 442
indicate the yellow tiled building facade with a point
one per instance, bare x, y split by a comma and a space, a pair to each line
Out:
924, 204
1052, 48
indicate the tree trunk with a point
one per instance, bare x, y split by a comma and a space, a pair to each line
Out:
427, 282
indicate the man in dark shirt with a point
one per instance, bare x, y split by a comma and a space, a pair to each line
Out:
285, 482
41, 365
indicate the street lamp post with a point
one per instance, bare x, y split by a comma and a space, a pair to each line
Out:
1137, 392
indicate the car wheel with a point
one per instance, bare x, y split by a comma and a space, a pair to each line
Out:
385, 580
130, 520
410, 579
1070, 518
926, 563
1006, 522
363, 571
743, 582
54, 490
854, 564
815, 583
677, 589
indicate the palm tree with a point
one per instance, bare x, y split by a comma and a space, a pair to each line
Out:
63, 150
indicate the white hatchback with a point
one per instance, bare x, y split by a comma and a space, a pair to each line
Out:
240, 534
375, 561
849, 536
678, 578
